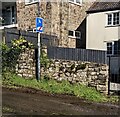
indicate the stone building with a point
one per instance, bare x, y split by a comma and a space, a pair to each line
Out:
63, 18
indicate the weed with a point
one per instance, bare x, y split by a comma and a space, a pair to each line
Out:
6, 109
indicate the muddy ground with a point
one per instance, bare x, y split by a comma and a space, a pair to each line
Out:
33, 102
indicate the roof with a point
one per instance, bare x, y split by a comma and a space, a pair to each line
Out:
104, 5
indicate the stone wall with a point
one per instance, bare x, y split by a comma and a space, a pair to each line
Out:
71, 42
26, 64
89, 74
77, 13
59, 17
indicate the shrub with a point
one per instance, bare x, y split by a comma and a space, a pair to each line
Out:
11, 54
45, 62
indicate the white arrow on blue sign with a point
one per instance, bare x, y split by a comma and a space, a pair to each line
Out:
39, 24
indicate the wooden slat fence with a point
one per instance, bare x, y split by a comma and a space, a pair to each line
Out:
12, 33
75, 54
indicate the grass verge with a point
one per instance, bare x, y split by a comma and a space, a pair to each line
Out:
52, 86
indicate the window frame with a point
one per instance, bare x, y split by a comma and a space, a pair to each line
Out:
11, 12
112, 19
115, 18
75, 2
31, 30
114, 50
74, 35
27, 2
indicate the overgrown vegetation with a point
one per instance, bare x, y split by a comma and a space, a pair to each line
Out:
9, 60
6, 109
52, 86
44, 61
10, 54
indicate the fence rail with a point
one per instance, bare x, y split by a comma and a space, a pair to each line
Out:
75, 54
58, 52
12, 33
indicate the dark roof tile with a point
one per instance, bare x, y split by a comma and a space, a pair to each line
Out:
102, 5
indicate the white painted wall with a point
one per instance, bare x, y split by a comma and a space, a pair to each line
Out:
97, 31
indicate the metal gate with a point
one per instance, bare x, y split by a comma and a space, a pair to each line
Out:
114, 74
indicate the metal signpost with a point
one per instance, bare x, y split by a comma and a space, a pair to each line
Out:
39, 30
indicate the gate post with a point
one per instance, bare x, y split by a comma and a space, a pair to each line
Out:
109, 76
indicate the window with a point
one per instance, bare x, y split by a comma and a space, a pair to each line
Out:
109, 19
71, 33
113, 48
113, 19
116, 18
110, 48
74, 34
76, 1
117, 47
31, 1
77, 34
9, 15
13, 14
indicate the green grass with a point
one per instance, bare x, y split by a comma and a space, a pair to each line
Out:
52, 86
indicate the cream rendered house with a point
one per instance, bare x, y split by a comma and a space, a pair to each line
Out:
103, 30
103, 24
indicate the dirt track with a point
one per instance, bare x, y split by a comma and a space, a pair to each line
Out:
32, 102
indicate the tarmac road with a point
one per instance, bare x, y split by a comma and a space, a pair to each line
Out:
32, 102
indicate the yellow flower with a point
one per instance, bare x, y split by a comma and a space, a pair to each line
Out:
24, 41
